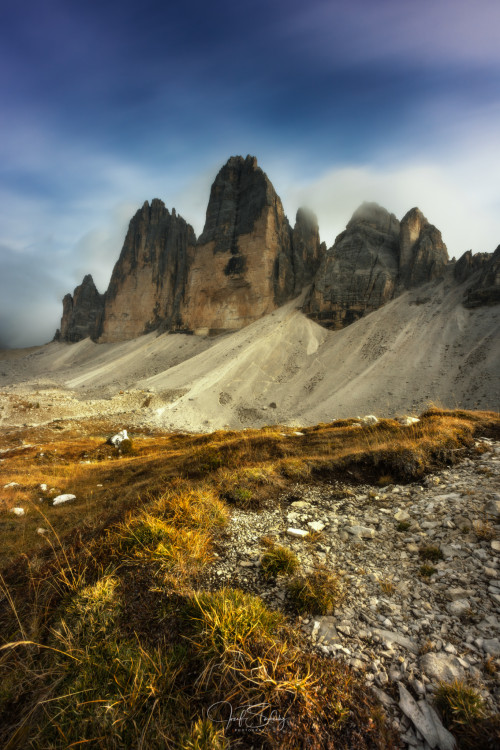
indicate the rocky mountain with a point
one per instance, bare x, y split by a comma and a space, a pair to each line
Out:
82, 313
248, 261
485, 289
373, 260
148, 282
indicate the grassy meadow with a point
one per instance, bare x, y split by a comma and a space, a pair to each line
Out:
112, 635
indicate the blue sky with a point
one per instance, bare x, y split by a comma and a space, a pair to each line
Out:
107, 104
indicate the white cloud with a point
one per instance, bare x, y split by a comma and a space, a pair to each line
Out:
427, 32
454, 182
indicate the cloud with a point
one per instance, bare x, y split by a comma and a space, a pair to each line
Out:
423, 33
443, 195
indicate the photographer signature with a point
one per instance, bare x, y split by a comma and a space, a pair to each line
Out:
245, 718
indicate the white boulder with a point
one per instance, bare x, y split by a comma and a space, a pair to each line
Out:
408, 421
60, 499
118, 439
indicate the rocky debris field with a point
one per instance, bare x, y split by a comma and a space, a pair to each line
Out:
420, 571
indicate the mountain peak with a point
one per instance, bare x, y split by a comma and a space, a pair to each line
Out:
249, 260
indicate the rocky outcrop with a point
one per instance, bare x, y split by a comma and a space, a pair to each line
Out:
423, 255
485, 290
82, 313
148, 282
247, 260
373, 260
308, 250
468, 264
358, 274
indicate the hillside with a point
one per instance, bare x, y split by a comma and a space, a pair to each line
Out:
424, 346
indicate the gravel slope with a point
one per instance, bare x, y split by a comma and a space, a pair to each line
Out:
422, 347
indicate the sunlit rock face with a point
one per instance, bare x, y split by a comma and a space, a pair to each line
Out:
422, 253
148, 282
248, 260
82, 313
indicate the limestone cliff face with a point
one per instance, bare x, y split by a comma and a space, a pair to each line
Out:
422, 253
243, 266
82, 313
358, 274
148, 282
308, 250
485, 289
249, 260
373, 260
468, 264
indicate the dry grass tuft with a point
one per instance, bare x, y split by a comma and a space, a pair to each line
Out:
431, 552
316, 593
464, 712
279, 560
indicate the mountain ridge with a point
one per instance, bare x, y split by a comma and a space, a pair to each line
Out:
249, 261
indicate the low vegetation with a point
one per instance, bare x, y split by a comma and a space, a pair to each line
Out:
114, 633
464, 713
431, 552
278, 560
316, 593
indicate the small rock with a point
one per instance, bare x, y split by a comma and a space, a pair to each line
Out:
298, 533
363, 531
60, 499
316, 525
11, 484
408, 421
301, 504
118, 439
492, 646
17, 511
495, 545
421, 721
369, 419
457, 593
491, 572
458, 607
493, 508
402, 515
441, 667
